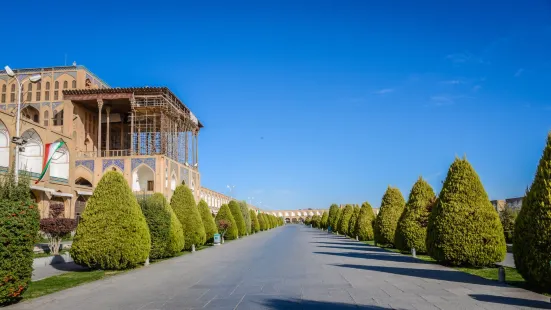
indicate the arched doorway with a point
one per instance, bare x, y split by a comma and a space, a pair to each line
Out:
80, 205
30, 159
287, 220
294, 220
83, 182
30, 113
59, 167
143, 179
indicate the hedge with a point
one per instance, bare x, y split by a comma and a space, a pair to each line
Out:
208, 221
344, 220
364, 224
464, 228
112, 232
183, 204
238, 216
392, 206
332, 217
412, 226
225, 214
352, 224
254, 221
246, 215
19, 222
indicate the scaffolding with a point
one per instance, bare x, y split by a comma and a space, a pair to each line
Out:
162, 125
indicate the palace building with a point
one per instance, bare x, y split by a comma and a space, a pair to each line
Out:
145, 133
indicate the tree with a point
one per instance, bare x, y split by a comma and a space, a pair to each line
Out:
464, 228
332, 217
167, 235
353, 220
225, 214
56, 227
112, 232
208, 221
364, 224
390, 211
412, 226
345, 219
508, 217
19, 223
262, 222
254, 221
238, 216
338, 219
324, 220
223, 226
532, 233
246, 215
186, 210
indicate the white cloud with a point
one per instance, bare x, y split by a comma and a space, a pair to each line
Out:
383, 91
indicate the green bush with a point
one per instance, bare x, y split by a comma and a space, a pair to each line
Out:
186, 210
364, 224
332, 217
532, 237
246, 215
112, 232
412, 226
344, 220
254, 220
224, 214
390, 211
508, 217
464, 228
208, 221
167, 237
352, 223
238, 216
19, 223
261, 222
338, 219
324, 220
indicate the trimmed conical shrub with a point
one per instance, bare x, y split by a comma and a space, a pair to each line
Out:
224, 214
167, 237
344, 220
532, 237
19, 224
364, 224
238, 216
183, 204
332, 217
208, 221
412, 226
352, 223
246, 215
338, 219
464, 228
324, 219
112, 232
254, 221
262, 222
390, 211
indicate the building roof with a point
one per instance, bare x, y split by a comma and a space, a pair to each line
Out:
58, 68
129, 90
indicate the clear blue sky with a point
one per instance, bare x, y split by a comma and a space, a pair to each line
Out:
306, 103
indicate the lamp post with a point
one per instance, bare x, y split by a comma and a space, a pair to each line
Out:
17, 140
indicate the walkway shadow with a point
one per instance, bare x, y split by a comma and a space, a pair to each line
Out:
512, 301
292, 304
69, 267
390, 257
366, 248
435, 274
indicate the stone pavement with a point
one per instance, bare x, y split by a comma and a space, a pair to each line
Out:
43, 272
291, 267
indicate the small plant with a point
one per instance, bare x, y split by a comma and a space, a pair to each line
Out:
56, 227
223, 226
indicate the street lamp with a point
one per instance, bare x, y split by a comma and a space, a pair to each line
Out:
231, 187
17, 140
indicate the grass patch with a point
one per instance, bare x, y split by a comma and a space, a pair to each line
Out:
64, 281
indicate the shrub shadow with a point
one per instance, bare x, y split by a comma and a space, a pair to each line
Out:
389, 257
366, 248
435, 274
69, 267
512, 301
274, 303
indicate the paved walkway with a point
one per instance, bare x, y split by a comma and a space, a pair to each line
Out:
291, 267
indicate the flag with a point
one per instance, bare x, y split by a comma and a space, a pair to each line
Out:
50, 150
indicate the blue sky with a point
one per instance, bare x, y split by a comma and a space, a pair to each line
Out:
306, 103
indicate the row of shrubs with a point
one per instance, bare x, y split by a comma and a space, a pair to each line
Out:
459, 227
116, 230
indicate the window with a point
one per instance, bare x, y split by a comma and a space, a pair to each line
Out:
47, 85
74, 84
58, 118
56, 85
65, 85
38, 96
39, 86
150, 186
46, 118
35, 118
30, 93
12, 87
56, 95
3, 88
30, 87
46, 95
12, 97
3, 98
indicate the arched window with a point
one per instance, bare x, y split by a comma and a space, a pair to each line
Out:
56, 85
143, 179
46, 118
31, 113
12, 95
74, 84
47, 85
83, 182
30, 86
31, 156
39, 85
59, 166
30, 93
65, 84
4, 88
4, 147
58, 118
12, 87
38, 89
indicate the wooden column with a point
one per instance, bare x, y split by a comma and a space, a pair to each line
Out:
132, 114
100, 106
108, 133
